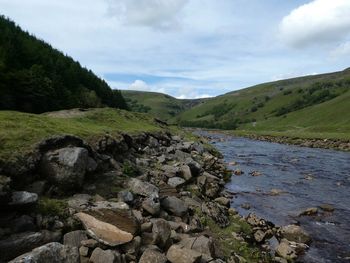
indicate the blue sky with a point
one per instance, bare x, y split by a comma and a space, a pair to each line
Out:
192, 48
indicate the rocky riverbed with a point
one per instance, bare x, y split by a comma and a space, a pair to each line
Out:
143, 198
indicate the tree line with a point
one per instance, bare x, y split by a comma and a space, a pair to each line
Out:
35, 77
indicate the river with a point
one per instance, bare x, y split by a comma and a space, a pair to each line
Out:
302, 178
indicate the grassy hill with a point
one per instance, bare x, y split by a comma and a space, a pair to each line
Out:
161, 105
307, 106
19, 132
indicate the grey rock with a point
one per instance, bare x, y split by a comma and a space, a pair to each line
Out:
170, 171
4, 189
143, 188
23, 198
23, 223
286, 251
79, 202
161, 231
91, 165
53, 252
146, 227
126, 196
295, 233
105, 256
185, 172
151, 204
83, 251
223, 201
176, 181
179, 254
174, 205
65, 167
259, 236
18, 244
217, 212
37, 187
74, 238
90, 243
152, 256
201, 244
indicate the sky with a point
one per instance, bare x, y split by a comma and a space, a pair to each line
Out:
192, 48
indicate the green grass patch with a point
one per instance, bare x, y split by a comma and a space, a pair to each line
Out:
19, 132
52, 207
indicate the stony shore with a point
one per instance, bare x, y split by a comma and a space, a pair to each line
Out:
336, 144
144, 198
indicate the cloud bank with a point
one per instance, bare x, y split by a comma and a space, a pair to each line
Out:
315, 23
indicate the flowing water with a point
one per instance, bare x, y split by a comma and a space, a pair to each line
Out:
306, 177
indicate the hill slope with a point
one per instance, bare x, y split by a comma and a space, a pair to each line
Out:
34, 77
161, 105
312, 104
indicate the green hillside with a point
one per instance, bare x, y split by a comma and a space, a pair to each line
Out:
307, 105
20, 131
161, 105
35, 77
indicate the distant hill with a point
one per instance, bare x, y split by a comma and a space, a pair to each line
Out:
34, 77
160, 105
311, 104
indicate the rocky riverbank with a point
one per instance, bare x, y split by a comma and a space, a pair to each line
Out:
143, 198
336, 144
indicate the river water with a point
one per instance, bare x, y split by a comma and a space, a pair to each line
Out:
306, 177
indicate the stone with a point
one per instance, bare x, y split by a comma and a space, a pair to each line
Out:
232, 211
285, 250
217, 212
109, 205
104, 232
223, 201
176, 181
126, 197
146, 227
37, 187
195, 167
255, 173
133, 247
246, 206
170, 171
161, 230
152, 256
83, 251
295, 233
201, 244
52, 252
174, 205
185, 172
18, 244
238, 172
309, 211
143, 188
4, 189
74, 238
179, 254
23, 223
151, 204
327, 207
65, 167
259, 236
24, 199
90, 243
79, 202
105, 256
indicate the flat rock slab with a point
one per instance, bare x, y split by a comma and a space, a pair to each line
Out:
104, 232
52, 252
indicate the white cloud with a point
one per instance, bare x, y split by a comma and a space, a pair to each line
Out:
343, 50
160, 14
320, 21
139, 85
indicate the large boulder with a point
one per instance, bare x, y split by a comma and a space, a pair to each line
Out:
18, 244
152, 256
151, 204
66, 167
180, 254
52, 252
143, 188
174, 205
295, 233
110, 227
23, 199
176, 181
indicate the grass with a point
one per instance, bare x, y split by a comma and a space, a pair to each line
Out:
329, 118
19, 132
160, 105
